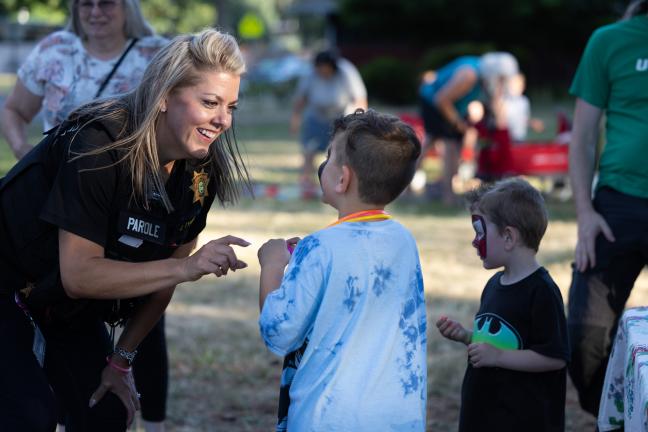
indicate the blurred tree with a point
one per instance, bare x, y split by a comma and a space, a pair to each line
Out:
230, 12
167, 16
390, 80
47, 11
11, 6
171, 17
547, 36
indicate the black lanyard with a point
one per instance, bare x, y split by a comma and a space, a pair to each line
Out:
114, 69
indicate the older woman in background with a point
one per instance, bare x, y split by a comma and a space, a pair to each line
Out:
103, 51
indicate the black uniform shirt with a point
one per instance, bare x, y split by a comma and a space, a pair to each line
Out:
92, 198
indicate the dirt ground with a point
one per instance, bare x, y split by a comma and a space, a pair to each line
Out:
224, 379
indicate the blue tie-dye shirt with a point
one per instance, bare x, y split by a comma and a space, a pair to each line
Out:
355, 291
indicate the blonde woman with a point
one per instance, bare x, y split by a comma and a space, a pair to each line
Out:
103, 51
125, 188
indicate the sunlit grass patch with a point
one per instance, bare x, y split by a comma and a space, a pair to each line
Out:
7, 81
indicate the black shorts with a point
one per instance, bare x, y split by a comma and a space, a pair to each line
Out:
436, 125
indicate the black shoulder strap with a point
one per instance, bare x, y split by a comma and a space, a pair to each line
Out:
114, 69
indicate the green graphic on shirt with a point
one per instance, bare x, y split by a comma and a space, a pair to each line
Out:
505, 337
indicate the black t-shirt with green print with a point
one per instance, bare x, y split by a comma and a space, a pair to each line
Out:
528, 314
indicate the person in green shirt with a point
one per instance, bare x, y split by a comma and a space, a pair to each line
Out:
612, 245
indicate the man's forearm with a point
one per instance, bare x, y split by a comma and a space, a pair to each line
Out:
582, 153
581, 172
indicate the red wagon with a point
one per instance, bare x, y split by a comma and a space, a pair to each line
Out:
500, 157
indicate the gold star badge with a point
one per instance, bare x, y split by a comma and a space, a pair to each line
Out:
199, 186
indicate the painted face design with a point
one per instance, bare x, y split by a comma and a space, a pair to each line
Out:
479, 243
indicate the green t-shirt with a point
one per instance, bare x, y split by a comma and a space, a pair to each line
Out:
613, 75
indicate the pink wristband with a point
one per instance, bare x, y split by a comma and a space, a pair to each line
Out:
117, 367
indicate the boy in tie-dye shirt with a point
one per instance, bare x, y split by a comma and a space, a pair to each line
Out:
349, 311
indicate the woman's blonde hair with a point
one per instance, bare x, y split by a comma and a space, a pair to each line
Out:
177, 65
135, 26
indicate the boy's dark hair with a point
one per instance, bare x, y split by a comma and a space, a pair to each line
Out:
327, 58
381, 150
512, 202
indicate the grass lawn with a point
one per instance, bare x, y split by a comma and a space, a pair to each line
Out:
223, 378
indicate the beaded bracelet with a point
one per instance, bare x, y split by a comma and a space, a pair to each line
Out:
117, 367
129, 356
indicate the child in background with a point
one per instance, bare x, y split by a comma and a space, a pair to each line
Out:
351, 302
518, 110
517, 348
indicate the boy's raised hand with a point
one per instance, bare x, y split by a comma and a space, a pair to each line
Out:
291, 243
273, 258
453, 330
275, 252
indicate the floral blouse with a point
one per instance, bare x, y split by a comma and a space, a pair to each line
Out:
67, 76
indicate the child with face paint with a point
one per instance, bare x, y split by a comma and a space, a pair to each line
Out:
517, 349
348, 311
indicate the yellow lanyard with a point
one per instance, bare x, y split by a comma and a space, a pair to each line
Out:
363, 216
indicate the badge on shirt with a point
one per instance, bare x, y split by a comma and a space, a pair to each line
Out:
199, 186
